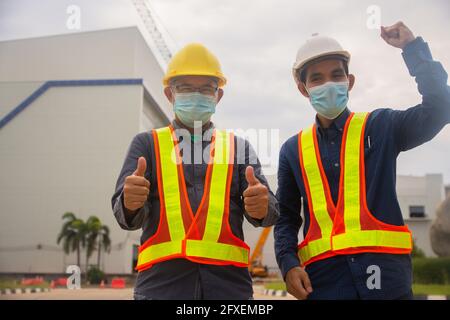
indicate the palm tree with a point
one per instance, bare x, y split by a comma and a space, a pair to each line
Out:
92, 225
97, 238
72, 234
77, 234
104, 242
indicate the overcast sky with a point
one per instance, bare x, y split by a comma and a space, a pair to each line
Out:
256, 42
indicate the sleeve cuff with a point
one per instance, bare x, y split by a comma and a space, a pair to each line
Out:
127, 221
271, 217
415, 53
272, 214
288, 263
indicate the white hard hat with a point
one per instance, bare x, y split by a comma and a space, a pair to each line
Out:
317, 47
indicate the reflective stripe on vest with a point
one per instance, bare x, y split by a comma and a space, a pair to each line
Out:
181, 243
171, 191
316, 197
209, 247
338, 229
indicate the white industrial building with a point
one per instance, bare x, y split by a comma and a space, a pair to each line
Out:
419, 198
69, 107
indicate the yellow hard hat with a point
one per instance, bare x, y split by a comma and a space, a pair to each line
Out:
194, 60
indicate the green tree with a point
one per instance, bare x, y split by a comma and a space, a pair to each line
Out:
104, 242
77, 234
97, 238
72, 234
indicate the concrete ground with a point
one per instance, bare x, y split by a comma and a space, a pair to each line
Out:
82, 294
98, 294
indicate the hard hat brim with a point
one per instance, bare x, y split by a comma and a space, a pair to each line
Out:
221, 79
298, 65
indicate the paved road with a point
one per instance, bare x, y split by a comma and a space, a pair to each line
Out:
82, 294
96, 294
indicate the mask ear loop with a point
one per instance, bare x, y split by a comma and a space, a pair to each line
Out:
173, 94
216, 93
348, 89
309, 93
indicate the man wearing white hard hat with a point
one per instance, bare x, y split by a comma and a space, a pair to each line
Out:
343, 169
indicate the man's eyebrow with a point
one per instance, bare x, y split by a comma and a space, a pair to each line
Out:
190, 85
340, 69
315, 74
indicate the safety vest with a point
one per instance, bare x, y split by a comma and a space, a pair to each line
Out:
205, 237
347, 227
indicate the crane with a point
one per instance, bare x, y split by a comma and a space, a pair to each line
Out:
149, 21
256, 267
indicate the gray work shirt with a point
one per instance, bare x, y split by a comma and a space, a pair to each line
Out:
181, 278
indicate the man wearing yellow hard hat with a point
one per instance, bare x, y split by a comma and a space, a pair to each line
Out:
343, 169
189, 186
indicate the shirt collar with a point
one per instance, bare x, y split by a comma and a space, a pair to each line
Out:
338, 123
207, 132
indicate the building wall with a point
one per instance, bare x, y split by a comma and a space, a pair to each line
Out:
65, 150
145, 68
62, 154
427, 191
103, 54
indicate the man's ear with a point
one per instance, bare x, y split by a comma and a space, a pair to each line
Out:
302, 88
351, 81
219, 94
169, 94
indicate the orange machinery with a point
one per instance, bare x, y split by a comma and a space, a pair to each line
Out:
256, 266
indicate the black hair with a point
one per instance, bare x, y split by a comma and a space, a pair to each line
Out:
301, 73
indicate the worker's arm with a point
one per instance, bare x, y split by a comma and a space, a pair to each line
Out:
249, 158
286, 230
289, 223
139, 147
419, 124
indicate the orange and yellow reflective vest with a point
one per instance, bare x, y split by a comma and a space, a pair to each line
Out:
347, 227
205, 237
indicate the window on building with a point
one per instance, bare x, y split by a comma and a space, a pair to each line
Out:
417, 211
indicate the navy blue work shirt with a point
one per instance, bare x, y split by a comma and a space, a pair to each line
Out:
388, 132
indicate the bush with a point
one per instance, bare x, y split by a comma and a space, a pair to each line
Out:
95, 275
417, 252
431, 270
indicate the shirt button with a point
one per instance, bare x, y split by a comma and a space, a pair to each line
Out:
352, 259
336, 164
332, 142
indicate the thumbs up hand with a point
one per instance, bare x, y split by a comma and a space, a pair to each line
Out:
141, 166
136, 187
256, 196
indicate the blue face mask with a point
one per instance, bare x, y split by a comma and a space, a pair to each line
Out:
329, 99
194, 107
